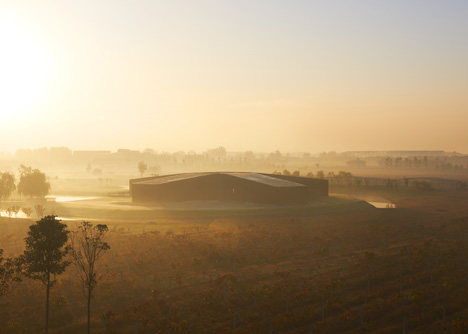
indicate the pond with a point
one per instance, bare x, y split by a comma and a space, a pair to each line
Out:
61, 199
383, 205
20, 214
11, 214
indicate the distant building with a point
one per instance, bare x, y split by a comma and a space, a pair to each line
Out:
235, 186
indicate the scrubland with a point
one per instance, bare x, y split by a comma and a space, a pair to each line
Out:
350, 271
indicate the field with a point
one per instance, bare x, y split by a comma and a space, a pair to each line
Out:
353, 270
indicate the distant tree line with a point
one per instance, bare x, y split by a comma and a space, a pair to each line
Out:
437, 163
219, 158
347, 179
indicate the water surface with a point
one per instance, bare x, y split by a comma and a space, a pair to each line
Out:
383, 205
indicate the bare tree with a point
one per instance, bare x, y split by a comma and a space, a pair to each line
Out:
142, 167
27, 211
15, 209
87, 247
39, 210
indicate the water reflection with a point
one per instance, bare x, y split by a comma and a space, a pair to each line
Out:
383, 205
13, 214
61, 199
20, 214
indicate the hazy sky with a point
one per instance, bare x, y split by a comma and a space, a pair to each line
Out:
263, 75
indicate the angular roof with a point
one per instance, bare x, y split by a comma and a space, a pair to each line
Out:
254, 177
169, 178
266, 179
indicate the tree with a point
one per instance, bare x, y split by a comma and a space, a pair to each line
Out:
87, 247
27, 211
39, 209
218, 153
32, 182
97, 171
8, 269
320, 174
345, 178
7, 185
142, 167
14, 210
45, 253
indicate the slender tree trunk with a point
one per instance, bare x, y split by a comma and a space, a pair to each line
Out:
47, 304
89, 308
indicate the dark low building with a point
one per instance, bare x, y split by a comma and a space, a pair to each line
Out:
232, 186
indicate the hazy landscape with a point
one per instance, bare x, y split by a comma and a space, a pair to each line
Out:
233, 167
335, 265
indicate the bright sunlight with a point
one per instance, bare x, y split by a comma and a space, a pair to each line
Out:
24, 70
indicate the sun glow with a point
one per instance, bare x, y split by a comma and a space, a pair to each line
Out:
24, 70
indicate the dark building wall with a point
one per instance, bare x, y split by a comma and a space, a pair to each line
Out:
217, 187
316, 187
132, 181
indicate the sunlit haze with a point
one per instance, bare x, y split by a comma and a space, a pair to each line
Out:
233, 166
248, 75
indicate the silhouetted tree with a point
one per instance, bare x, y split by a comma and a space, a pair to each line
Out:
345, 178
249, 155
7, 185
15, 209
8, 269
45, 253
142, 167
97, 171
320, 174
218, 153
154, 170
296, 173
286, 172
461, 185
358, 181
39, 209
32, 182
27, 211
87, 247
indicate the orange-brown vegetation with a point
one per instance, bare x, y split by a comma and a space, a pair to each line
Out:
370, 270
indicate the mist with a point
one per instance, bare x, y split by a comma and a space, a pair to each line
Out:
248, 166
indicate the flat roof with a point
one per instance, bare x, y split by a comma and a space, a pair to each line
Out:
254, 177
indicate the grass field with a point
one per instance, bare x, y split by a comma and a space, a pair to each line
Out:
289, 271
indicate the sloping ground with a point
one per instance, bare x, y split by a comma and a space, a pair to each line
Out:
124, 210
366, 271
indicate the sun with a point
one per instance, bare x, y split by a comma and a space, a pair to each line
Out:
24, 70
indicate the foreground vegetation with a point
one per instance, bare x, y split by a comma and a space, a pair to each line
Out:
360, 271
